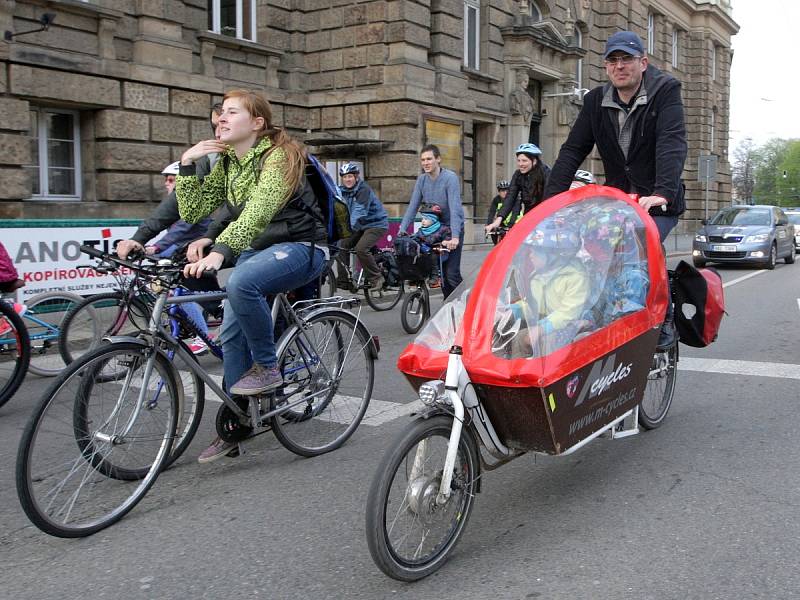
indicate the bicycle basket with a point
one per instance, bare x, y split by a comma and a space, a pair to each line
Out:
415, 268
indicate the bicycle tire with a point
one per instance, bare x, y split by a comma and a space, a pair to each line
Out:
660, 388
415, 498
191, 403
98, 316
415, 311
85, 437
51, 309
385, 298
15, 352
327, 283
328, 385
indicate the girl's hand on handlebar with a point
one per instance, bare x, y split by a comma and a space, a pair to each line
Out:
125, 247
194, 251
211, 262
648, 202
202, 149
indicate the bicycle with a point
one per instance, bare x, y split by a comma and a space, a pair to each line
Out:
104, 429
386, 298
415, 271
15, 351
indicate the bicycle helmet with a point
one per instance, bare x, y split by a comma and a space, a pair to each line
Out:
433, 209
349, 168
555, 236
532, 150
503, 184
172, 168
583, 176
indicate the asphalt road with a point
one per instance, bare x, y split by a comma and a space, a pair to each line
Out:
704, 507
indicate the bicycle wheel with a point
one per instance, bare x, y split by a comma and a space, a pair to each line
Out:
409, 533
328, 372
327, 283
414, 311
15, 351
95, 444
660, 388
191, 402
85, 326
385, 298
43, 318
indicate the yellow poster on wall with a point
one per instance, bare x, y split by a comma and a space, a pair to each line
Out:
447, 136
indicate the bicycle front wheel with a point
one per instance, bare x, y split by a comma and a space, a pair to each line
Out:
414, 310
386, 298
43, 318
328, 372
660, 388
15, 351
96, 443
85, 326
409, 532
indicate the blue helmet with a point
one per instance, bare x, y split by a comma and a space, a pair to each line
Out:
557, 237
349, 168
529, 149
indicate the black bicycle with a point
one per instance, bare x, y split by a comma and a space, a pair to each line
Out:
385, 298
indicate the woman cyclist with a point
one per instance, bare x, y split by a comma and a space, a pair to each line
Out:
275, 237
527, 184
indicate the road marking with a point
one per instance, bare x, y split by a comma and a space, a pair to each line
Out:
740, 367
742, 278
798, 303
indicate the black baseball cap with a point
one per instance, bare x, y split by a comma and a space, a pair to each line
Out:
626, 41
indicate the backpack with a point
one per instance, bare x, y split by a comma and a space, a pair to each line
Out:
699, 304
333, 207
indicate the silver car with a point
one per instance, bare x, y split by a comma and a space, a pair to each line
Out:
745, 234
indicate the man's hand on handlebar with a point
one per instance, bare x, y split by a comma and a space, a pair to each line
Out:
648, 202
125, 247
450, 244
208, 263
194, 251
492, 226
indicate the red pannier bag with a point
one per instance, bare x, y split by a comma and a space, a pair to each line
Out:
699, 304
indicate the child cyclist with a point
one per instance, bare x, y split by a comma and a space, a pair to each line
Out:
497, 205
276, 235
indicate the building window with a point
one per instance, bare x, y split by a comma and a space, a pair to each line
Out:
714, 62
234, 18
675, 44
578, 37
536, 14
472, 34
55, 167
651, 33
713, 145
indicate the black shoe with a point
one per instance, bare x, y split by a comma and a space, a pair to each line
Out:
667, 337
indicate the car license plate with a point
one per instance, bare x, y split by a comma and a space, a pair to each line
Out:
725, 248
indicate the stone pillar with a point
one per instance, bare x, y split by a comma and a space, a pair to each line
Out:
105, 38
159, 42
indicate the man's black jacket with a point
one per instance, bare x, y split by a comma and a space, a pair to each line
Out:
657, 149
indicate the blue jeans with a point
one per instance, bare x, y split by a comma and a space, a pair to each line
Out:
451, 269
195, 313
247, 332
665, 224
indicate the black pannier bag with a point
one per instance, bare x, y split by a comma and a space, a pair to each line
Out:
699, 304
414, 264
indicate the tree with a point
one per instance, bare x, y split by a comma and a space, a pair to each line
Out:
767, 170
788, 185
745, 158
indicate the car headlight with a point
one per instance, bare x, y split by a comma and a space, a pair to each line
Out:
433, 392
700, 238
760, 237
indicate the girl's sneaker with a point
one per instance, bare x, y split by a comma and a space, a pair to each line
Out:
5, 326
197, 346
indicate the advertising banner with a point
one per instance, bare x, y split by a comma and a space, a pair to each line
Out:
49, 258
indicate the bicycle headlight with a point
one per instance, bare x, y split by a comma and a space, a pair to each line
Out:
433, 392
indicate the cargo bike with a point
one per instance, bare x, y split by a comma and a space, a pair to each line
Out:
551, 345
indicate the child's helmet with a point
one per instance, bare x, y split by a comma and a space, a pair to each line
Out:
349, 168
555, 236
503, 184
432, 209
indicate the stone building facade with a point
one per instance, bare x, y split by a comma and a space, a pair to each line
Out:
94, 107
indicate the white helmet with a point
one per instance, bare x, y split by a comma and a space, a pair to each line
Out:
583, 176
172, 168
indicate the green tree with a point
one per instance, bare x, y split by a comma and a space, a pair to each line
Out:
745, 158
788, 183
769, 157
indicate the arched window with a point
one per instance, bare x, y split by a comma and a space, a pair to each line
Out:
536, 14
578, 43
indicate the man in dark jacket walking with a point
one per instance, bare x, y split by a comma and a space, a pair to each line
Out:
636, 121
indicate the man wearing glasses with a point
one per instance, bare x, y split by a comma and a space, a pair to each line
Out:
636, 121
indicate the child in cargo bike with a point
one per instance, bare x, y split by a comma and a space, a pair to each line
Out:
431, 233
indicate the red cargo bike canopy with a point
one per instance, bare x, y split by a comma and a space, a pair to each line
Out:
580, 275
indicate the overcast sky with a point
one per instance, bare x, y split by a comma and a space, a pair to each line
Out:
765, 75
